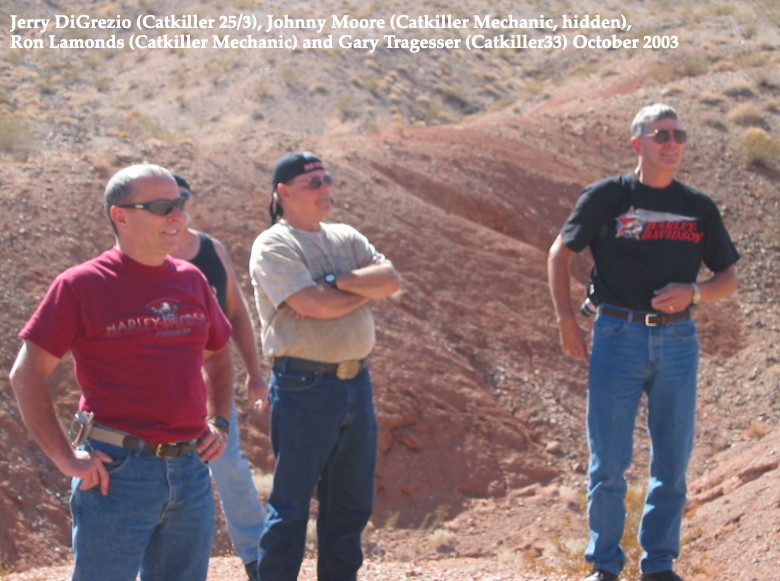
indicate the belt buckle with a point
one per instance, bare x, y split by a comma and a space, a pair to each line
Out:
649, 322
348, 369
167, 450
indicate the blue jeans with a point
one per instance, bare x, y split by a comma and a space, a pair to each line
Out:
627, 360
238, 496
157, 519
323, 432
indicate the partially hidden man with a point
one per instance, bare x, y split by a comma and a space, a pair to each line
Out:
231, 472
141, 328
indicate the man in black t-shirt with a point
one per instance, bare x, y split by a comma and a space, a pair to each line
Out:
649, 235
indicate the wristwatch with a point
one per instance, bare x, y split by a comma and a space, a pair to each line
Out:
220, 422
696, 293
330, 280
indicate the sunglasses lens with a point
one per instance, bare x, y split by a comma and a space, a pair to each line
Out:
162, 207
165, 207
315, 183
662, 136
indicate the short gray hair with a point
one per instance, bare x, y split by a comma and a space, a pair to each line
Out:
120, 185
650, 114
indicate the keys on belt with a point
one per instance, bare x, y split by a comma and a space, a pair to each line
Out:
344, 370
84, 428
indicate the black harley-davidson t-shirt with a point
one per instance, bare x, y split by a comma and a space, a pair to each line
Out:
643, 238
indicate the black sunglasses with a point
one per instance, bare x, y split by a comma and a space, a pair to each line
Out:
314, 183
159, 207
663, 135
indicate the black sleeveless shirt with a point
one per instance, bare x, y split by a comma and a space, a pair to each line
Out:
209, 263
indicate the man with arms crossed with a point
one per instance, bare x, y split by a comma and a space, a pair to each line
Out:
649, 235
313, 284
141, 327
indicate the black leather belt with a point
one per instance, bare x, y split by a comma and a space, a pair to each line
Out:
649, 319
344, 370
128, 442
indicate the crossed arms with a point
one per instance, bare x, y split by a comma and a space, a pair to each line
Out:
353, 290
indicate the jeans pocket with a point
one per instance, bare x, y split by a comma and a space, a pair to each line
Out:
119, 456
684, 330
609, 327
295, 380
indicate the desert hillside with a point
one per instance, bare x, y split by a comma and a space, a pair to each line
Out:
460, 165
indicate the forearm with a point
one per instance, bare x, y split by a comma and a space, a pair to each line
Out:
28, 381
571, 334
676, 296
323, 302
243, 330
245, 341
40, 418
558, 278
218, 376
375, 281
719, 286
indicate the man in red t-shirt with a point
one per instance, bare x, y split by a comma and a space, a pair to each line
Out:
141, 328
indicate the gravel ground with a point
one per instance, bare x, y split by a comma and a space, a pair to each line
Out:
228, 569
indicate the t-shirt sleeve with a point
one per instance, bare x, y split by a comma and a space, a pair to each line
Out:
281, 272
590, 213
365, 252
54, 326
719, 252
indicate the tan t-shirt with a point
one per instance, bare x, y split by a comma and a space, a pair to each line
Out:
285, 260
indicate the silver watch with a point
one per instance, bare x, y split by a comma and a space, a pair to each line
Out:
696, 293
220, 422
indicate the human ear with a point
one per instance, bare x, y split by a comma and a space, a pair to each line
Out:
636, 144
118, 216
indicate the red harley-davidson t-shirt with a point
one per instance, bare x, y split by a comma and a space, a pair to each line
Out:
137, 335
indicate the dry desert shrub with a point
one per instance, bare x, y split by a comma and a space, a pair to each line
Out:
746, 114
443, 540
740, 90
760, 148
564, 556
15, 136
141, 126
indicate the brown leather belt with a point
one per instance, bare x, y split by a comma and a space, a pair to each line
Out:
128, 442
649, 319
344, 370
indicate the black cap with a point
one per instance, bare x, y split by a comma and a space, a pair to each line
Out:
182, 183
294, 164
